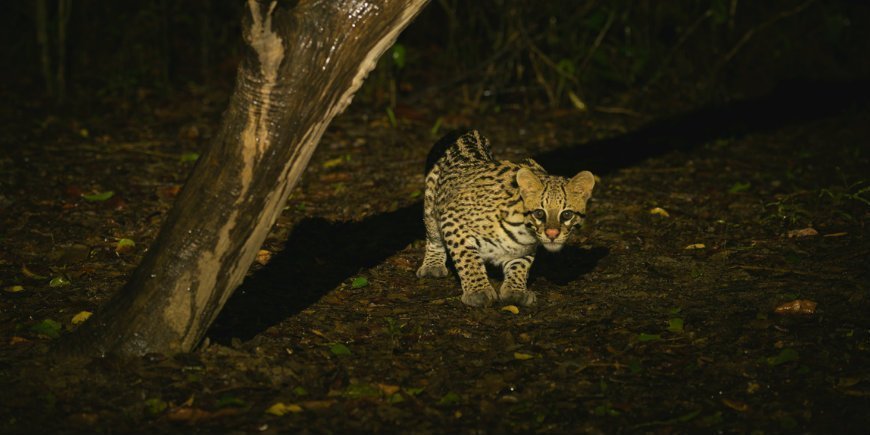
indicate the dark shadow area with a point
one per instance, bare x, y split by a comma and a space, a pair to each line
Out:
567, 265
790, 103
319, 255
560, 268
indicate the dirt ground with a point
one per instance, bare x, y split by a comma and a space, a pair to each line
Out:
720, 284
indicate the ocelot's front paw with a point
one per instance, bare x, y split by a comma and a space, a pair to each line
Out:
517, 296
478, 298
432, 270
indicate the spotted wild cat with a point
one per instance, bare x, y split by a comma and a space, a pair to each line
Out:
479, 210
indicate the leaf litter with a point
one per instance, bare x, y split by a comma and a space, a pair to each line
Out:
604, 350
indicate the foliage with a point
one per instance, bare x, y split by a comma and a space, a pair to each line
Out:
489, 52
498, 51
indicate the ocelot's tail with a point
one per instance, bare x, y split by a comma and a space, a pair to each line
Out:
459, 146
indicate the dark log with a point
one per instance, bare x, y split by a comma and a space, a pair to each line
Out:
303, 62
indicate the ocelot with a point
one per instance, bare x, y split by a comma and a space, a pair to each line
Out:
479, 210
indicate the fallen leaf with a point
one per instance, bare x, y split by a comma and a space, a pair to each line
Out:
752, 387
81, 317
511, 309
13, 289
58, 281
576, 101
675, 324
124, 246
450, 398
30, 274
836, 234
155, 406
280, 409
522, 356
331, 163
263, 256
847, 382
359, 282
17, 340
659, 211
388, 389
99, 196
804, 232
736, 405
797, 306
696, 246
339, 349
188, 157
739, 187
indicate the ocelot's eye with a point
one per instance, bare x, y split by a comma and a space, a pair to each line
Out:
539, 214
566, 215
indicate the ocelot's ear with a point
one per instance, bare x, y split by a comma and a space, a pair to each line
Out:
529, 183
581, 185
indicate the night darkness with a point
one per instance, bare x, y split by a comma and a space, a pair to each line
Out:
719, 284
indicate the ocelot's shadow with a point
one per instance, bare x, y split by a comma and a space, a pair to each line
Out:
567, 265
317, 257
790, 103
560, 268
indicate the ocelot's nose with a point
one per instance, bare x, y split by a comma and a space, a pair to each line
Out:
552, 233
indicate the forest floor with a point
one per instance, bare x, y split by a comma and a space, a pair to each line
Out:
719, 285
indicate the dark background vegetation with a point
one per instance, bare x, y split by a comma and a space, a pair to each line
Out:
486, 53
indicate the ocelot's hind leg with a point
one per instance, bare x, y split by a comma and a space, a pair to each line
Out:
435, 259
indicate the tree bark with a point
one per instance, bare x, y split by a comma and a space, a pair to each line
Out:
301, 67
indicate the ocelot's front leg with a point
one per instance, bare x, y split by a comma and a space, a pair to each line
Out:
513, 289
476, 289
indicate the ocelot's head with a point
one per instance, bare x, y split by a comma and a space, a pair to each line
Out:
554, 205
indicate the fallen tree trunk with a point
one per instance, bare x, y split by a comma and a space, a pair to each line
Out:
303, 64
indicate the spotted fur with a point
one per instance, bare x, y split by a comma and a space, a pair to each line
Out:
481, 210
